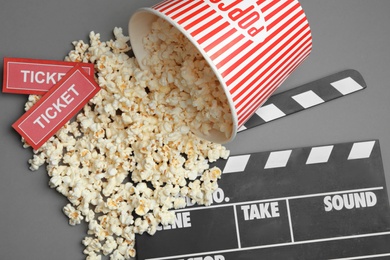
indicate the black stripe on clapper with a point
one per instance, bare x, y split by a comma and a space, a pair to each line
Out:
306, 96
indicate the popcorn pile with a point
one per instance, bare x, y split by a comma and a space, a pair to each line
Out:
129, 156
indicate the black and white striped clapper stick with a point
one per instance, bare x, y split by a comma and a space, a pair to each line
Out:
306, 96
323, 202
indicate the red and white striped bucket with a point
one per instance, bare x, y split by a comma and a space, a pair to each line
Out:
251, 45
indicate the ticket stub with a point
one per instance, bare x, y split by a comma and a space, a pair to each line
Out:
56, 107
34, 76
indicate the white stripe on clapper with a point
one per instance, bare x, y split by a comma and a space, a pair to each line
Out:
346, 86
361, 150
270, 112
319, 154
236, 163
278, 159
308, 99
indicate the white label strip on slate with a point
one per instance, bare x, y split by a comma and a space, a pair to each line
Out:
364, 257
306, 96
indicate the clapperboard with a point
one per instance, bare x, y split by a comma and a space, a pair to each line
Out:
323, 202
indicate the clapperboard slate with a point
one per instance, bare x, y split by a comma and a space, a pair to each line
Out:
324, 202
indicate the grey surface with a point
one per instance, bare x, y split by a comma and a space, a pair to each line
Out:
347, 34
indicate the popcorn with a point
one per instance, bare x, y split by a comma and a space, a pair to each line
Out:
130, 156
93, 256
173, 57
109, 245
92, 245
74, 215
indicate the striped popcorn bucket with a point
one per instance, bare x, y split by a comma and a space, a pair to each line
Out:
251, 45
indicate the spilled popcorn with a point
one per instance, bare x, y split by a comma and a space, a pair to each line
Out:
129, 156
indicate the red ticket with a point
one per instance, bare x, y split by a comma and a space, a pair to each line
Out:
56, 107
32, 76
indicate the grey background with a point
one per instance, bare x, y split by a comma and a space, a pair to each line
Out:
347, 34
